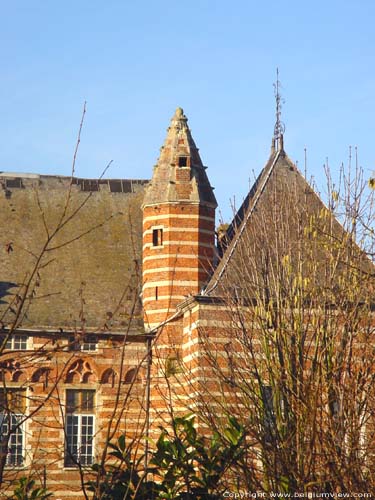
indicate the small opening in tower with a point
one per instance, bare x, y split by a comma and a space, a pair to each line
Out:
156, 293
157, 237
182, 161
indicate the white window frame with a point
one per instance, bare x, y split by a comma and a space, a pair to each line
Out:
88, 343
79, 445
17, 342
15, 453
16, 446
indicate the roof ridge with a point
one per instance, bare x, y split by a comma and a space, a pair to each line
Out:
31, 175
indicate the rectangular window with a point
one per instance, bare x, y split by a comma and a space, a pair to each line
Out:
268, 413
182, 161
16, 342
13, 183
173, 365
80, 423
86, 343
90, 343
12, 433
157, 237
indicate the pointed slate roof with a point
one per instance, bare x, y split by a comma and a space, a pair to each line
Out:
279, 212
179, 174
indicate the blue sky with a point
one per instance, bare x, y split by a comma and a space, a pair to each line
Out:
135, 62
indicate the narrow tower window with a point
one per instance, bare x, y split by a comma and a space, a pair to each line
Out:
182, 161
157, 237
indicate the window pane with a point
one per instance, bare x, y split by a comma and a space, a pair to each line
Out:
90, 343
72, 436
157, 237
15, 445
16, 342
182, 161
12, 433
72, 401
78, 401
20, 342
17, 401
87, 401
12, 400
268, 412
87, 433
79, 427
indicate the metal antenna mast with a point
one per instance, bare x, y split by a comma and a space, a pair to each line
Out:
279, 125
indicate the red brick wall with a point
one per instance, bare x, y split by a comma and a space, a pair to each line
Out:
180, 266
49, 369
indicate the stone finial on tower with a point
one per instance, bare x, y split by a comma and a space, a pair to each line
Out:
179, 118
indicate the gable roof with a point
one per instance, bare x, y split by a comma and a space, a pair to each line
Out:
90, 272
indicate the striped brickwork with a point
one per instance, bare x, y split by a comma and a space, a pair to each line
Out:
178, 226
119, 402
178, 240
180, 265
178, 257
191, 345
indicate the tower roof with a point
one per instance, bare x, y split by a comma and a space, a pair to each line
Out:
179, 174
271, 224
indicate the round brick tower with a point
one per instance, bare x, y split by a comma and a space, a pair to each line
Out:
178, 225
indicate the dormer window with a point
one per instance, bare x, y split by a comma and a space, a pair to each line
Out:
182, 161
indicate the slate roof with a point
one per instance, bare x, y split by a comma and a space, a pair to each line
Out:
91, 270
277, 219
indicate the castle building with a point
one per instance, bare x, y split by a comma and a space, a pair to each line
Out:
107, 290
